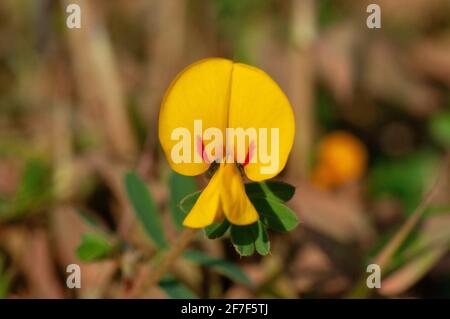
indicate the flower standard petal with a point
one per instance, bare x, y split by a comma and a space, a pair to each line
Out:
200, 92
256, 101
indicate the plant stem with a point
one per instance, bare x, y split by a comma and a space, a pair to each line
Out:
161, 268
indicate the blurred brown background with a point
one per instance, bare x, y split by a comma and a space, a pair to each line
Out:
79, 107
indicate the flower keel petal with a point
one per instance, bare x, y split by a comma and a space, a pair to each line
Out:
236, 206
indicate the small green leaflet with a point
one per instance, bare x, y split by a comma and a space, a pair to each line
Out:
273, 190
145, 208
268, 198
180, 186
93, 247
275, 214
247, 239
217, 230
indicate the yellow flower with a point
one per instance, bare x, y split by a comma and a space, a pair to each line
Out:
222, 95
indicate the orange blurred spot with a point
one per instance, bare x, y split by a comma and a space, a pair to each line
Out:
342, 158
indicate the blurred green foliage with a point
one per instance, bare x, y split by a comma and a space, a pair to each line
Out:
33, 192
180, 186
234, 19
329, 12
96, 246
5, 278
174, 289
93, 246
145, 208
440, 128
404, 178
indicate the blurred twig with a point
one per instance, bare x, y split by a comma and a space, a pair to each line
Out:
148, 282
98, 81
166, 20
303, 29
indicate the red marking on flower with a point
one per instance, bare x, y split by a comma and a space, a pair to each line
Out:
250, 153
201, 149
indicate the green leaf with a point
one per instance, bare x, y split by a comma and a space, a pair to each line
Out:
243, 240
93, 247
272, 190
188, 201
223, 267
180, 186
275, 214
262, 243
217, 230
174, 289
247, 239
33, 192
145, 208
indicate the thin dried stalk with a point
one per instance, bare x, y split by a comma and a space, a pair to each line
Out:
389, 250
303, 28
98, 81
166, 50
386, 254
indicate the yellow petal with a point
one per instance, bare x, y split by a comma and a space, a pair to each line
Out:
224, 195
200, 92
258, 102
207, 208
236, 206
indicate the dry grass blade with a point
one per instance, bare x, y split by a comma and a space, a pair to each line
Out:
389, 250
